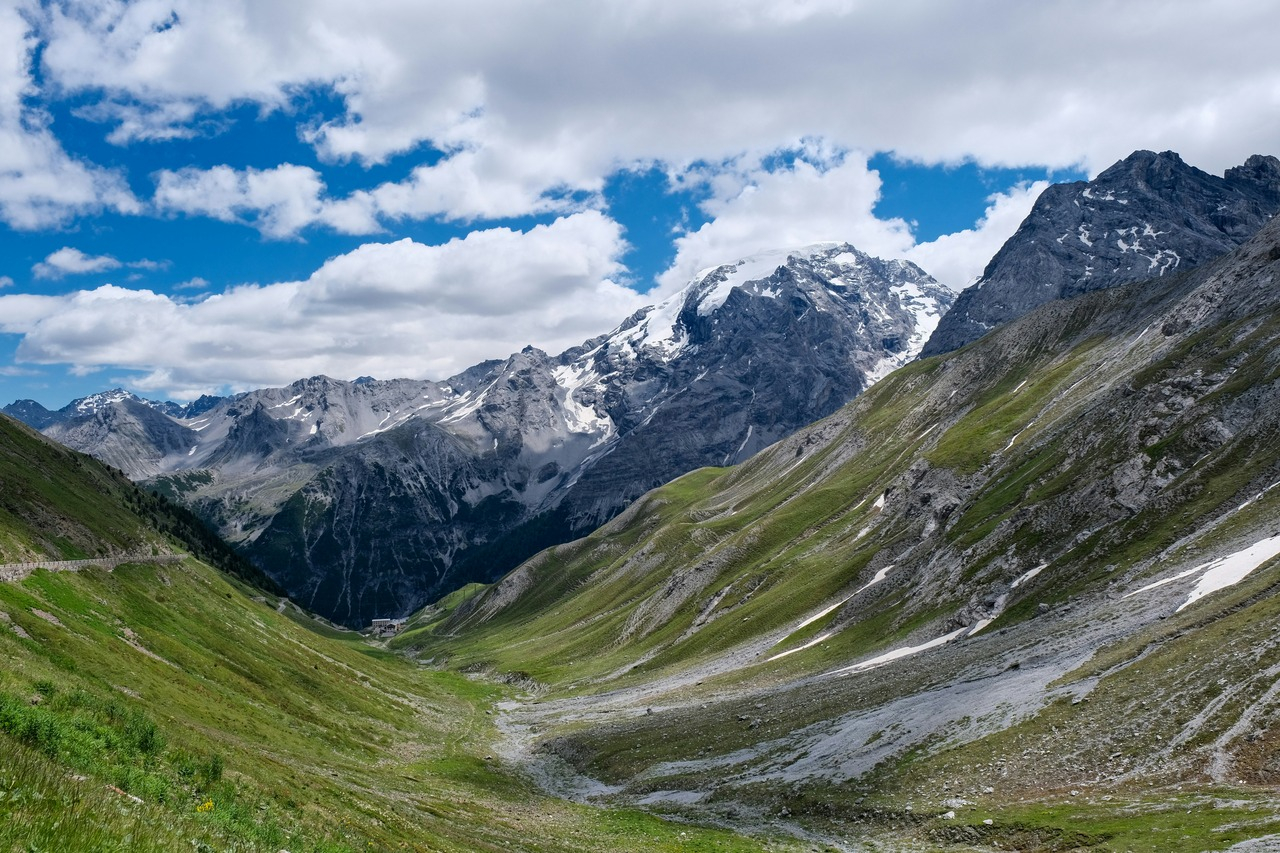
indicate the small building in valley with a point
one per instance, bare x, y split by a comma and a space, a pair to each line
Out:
387, 627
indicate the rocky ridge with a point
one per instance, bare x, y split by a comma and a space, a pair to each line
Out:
369, 498
1146, 216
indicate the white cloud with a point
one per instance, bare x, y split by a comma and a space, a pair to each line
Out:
40, 185
501, 108
485, 183
70, 261
580, 87
533, 104
824, 196
279, 201
957, 259
384, 309
470, 185
5, 281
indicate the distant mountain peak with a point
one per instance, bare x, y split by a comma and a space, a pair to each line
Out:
1143, 217
97, 402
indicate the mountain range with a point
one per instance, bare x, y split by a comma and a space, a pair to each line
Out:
1020, 596
372, 497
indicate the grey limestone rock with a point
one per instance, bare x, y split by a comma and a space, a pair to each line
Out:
1145, 217
372, 497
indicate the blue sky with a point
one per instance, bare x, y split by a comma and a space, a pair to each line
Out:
204, 197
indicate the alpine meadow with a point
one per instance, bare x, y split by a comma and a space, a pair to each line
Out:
741, 425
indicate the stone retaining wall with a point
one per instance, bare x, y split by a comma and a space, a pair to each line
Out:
18, 571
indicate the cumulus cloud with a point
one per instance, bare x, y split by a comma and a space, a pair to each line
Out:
69, 261
956, 260
467, 186
495, 91
5, 281
680, 82
830, 196
820, 197
504, 108
279, 201
384, 309
40, 184
72, 261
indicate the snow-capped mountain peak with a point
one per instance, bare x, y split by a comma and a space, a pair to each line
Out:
758, 268
833, 269
743, 355
97, 402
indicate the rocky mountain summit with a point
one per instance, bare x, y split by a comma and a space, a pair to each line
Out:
371, 497
1148, 215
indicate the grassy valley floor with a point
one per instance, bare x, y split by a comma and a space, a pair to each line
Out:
172, 708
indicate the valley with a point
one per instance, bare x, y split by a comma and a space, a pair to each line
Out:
161, 707
1019, 594
730, 426
1023, 583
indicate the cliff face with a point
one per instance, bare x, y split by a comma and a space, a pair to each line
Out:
369, 498
1146, 216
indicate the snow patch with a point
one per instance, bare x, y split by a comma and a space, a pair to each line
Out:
1164, 260
469, 404
661, 329
94, 402
899, 653
1233, 568
926, 313
580, 418
757, 268
375, 431
1220, 573
741, 447
1028, 576
1015, 438
879, 576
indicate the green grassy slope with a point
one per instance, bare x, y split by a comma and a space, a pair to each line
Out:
174, 707
240, 728
57, 504
1031, 479
1058, 441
